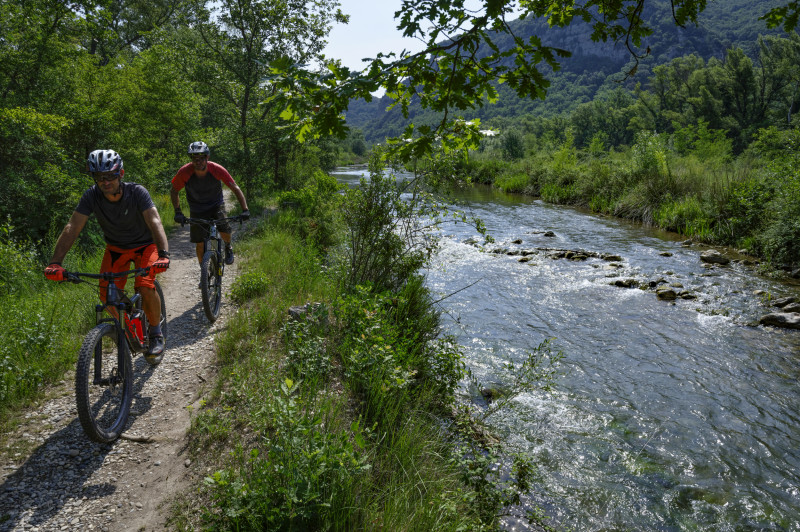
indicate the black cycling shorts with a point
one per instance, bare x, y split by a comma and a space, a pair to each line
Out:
199, 232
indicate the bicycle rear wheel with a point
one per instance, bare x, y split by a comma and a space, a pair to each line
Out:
211, 285
104, 384
155, 361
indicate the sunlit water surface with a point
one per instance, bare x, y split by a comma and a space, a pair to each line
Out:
665, 416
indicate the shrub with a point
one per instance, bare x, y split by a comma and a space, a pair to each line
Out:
302, 474
249, 286
39, 181
513, 145
385, 243
21, 271
484, 171
515, 182
306, 349
685, 216
315, 209
650, 155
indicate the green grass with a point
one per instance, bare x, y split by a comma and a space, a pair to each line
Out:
45, 325
295, 441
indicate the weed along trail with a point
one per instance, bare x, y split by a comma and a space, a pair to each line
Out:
52, 477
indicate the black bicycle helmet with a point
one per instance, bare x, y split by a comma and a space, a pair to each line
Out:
104, 161
199, 147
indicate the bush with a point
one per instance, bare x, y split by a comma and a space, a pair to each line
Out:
21, 272
40, 184
249, 286
314, 208
686, 216
385, 243
516, 182
305, 470
483, 170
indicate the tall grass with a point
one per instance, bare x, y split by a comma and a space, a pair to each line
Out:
328, 418
44, 324
704, 192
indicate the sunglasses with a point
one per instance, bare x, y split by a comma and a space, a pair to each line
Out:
198, 157
107, 177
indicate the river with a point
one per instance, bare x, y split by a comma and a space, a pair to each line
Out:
666, 416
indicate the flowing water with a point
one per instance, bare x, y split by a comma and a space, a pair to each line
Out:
666, 415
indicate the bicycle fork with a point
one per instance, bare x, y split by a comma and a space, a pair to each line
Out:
114, 377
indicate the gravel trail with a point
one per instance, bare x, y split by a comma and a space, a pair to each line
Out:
66, 482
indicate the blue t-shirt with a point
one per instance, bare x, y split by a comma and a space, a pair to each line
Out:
122, 221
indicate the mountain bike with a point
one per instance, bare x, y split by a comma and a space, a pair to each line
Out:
104, 374
212, 266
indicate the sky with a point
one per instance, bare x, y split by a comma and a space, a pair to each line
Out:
372, 29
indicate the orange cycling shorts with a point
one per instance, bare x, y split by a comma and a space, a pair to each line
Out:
117, 259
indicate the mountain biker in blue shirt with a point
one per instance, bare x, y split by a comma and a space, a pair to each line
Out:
132, 230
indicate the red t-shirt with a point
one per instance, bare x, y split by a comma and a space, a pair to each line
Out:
203, 193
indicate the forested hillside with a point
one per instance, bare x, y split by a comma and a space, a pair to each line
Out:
596, 68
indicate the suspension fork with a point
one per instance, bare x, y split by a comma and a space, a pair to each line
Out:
112, 301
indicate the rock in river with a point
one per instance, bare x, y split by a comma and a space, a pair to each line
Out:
714, 257
787, 320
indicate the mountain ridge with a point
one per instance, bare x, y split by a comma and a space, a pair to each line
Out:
594, 67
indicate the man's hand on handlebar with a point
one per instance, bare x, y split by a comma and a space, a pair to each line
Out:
179, 218
55, 272
245, 215
160, 265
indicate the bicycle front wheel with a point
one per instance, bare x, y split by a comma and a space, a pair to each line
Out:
211, 285
104, 384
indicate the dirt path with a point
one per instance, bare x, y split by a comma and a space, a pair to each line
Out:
66, 482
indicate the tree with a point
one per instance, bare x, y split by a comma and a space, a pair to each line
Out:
513, 145
236, 48
36, 38
463, 59
126, 25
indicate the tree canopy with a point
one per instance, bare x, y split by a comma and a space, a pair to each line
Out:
467, 52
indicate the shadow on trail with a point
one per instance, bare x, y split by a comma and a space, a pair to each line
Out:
52, 478
58, 472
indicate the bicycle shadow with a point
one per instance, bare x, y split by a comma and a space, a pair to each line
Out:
58, 473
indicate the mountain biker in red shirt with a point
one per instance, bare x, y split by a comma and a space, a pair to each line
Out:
203, 182
132, 230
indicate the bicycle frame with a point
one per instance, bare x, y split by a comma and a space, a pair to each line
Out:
135, 328
214, 236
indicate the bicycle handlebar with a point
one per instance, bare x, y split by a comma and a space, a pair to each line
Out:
75, 277
237, 218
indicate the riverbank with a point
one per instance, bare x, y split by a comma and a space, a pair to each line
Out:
335, 403
749, 202
342, 417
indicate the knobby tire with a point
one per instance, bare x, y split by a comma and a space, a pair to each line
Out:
103, 408
211, 285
